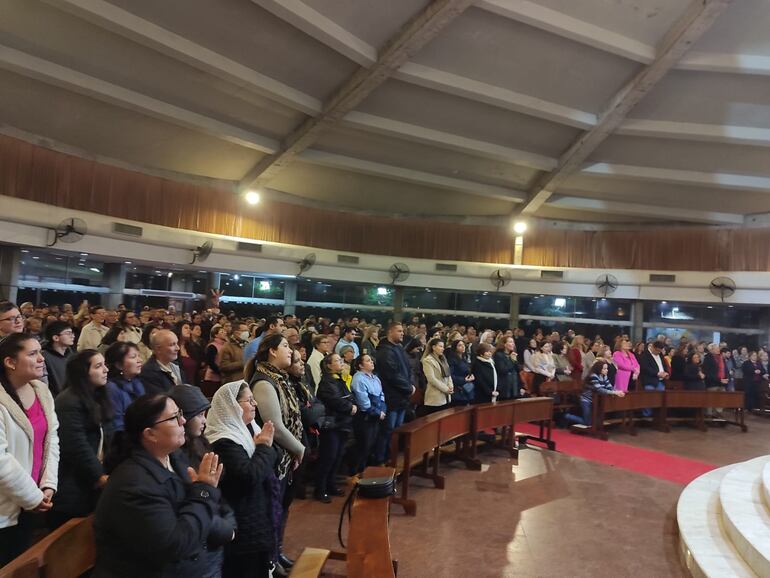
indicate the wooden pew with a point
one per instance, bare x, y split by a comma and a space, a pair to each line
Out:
701, 400
310, 563
369, 540
67, 552
368, 553
632, 401
421, 440
492, 416
540, 411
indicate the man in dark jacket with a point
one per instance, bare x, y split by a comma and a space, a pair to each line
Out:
714, 368
161, 372
395, 375
60, 338
652, 370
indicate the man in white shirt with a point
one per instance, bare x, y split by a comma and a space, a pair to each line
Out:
93, 332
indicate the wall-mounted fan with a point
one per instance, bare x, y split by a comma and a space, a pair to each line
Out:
68, 231
202, 252
722, 287
307, 262
607, 284
500, 278
399, 272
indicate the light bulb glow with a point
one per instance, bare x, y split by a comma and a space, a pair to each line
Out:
520, 227
252, 197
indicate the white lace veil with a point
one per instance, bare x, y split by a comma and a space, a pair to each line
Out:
225, 418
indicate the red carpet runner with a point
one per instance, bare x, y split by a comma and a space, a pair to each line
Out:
655, 464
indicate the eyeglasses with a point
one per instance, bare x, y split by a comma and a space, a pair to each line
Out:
250, 401
14, 319
67, 332
178, 416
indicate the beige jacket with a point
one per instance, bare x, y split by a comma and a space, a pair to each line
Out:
437, 388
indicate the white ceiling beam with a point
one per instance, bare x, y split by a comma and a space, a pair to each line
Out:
698, 18
558, 23
401, 47
742, 135
681, 177
447, 140
146, 33
440, 80
322, 29
52, 73
728, 63
410, 175
642, 210
589, 34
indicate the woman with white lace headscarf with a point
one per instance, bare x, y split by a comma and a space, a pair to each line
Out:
248, 483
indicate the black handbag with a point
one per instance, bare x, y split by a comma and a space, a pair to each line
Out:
376, 487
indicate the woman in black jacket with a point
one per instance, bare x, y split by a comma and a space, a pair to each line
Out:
157, 517
193, 404
85, 430
462, 378
484, 371
693, 374
335, 428
249, 483
507, 368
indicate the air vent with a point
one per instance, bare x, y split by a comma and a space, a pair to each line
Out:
552, 274
348, 259
661, 278
446, 267
250, 247
123, 229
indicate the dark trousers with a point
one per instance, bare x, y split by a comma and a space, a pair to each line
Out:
751, 394
331, 450
366, 429
247, 565
15, 539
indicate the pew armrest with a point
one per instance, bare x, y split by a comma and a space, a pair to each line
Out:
310, 563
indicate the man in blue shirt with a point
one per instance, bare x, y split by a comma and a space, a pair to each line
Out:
347, 338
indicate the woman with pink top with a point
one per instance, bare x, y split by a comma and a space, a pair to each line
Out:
628, 366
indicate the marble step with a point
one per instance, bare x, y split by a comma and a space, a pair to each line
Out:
745, 516
705, 547
766, 485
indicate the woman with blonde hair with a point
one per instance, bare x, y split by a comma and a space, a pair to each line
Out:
370, 340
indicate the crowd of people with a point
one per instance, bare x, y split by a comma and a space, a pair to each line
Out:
188, 436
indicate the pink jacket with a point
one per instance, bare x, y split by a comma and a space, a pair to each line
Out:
627, 365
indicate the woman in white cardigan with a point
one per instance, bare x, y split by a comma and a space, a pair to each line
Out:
439, 387
29, 444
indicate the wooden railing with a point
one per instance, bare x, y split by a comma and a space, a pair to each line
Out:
67, 552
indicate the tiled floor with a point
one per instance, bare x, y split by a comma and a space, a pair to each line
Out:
550, 515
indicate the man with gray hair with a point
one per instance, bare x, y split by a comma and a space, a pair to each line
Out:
161, 372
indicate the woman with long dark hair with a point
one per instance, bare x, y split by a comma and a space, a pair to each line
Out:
336, 426
438, 378
462, 378
597, 383
124, 364
157, 516
29, 464
277, 402
85, 411
190, 354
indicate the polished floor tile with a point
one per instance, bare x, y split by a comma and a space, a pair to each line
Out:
547, 515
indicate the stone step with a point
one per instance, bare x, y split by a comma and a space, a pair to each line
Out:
745, 516
705, 547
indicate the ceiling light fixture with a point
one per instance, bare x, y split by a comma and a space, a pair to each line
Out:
520, 227
252, 197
